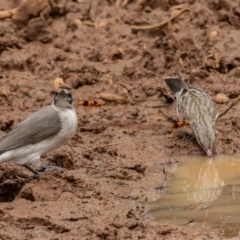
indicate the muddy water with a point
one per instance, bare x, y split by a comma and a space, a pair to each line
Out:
202, 194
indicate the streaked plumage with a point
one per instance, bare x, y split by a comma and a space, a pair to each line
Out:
43, 131
195, 106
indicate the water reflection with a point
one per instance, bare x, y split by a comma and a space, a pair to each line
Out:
203, 184
202, 194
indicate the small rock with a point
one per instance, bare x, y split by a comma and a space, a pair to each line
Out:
221, 98
213, 34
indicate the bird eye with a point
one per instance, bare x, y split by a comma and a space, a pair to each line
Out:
55, 99
69, 98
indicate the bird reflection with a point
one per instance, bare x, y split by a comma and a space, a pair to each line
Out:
203, 193
203, 184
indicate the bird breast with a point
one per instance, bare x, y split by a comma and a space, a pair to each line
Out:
68, 120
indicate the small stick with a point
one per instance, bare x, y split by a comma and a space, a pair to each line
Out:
110, 144
7, 13
144, 89
164, 179
158, 25
88, 23
88, 217
165, 115
125, 86
20, 104
74, 219
117, 215
233, 103
89, 149
71, 148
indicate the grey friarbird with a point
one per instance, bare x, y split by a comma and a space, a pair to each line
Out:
43, 131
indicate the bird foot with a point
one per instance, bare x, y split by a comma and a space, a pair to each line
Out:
35, 175
29, 179
49, 167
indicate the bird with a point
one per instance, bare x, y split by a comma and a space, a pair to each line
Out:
43, 131
195, 106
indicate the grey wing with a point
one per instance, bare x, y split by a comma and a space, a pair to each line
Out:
42, 124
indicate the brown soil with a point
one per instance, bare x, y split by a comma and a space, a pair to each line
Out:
117, 156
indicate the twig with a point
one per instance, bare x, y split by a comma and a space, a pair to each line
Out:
117, 215
129, 88
144, 89
88, 217
74, 219
233, 103
165, 115
89, 149
158, 25
7, 13
60, 194
71, 148
164, 179
88, 23
20, 104
110, 144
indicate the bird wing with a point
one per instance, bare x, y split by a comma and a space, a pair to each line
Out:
40, 125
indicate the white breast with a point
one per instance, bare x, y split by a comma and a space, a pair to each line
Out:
68, 119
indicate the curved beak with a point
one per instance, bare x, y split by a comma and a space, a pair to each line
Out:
209, 153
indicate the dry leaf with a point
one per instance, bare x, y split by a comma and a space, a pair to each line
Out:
59, 83
76, 23
221, 98
100, 24
4, 91
113, 97
7, 13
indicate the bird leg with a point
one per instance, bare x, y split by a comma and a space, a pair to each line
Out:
36, 173
188, 136
49, 167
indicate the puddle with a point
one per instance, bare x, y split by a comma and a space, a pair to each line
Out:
202, 195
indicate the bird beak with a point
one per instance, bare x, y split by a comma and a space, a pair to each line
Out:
209, 153
63, 99
61, 93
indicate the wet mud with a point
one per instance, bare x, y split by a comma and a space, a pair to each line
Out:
121, 150
201, 194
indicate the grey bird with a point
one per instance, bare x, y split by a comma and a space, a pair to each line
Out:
43, 131
195, 106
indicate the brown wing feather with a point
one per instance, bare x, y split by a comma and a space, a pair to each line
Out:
42, 124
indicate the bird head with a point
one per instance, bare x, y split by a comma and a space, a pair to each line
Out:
63, 98
206, 141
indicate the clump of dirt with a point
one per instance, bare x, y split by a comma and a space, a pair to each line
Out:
118, 155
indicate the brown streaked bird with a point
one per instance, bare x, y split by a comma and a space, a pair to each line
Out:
195, 106
43, 131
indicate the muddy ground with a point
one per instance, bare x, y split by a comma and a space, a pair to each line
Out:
116, 159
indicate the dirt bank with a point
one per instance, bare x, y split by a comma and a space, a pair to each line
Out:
117, 157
